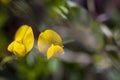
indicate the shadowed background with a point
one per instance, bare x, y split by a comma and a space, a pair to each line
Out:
90, 30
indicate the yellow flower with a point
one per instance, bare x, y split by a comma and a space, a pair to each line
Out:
51, 43
23, 41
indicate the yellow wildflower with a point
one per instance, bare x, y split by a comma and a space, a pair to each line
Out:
51, 43
23, 41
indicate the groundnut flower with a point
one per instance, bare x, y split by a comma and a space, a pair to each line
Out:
23, 41
50, 43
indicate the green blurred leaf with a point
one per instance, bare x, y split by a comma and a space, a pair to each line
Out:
39, 69
54, 65
3, 19
57, 10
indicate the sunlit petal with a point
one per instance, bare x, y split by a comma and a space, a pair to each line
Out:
10, 47
20, 33
54, 50
51, 36
43, 45
28, 39
19, 49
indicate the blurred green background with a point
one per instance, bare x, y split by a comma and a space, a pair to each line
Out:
90, 30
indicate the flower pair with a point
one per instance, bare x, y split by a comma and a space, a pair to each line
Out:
49, 42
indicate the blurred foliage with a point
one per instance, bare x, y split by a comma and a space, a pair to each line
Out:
36, 71
91, 36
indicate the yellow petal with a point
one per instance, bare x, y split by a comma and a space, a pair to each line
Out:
54, 50
19, 49
10, 47
28, 39
51, 36
43, 45
19, 35
47, 38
